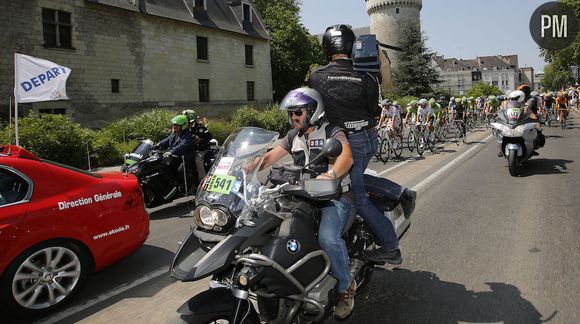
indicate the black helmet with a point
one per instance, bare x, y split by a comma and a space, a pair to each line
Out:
338, 39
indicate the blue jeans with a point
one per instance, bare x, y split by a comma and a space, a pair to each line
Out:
334, 217
364, 146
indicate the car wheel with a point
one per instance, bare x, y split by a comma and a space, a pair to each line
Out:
43, 278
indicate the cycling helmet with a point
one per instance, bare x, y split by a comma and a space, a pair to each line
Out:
191, 115
492, 98
458, 100
395, 103
180, 120
452, 99
306, 99
385, 102
534, 94
338, 39
464, 99
213, 143
431, 101
517, 95
422, 102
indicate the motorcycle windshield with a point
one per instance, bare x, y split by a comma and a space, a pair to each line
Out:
140, 152
232, 180
513, 114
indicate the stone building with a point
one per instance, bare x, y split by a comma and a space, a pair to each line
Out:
501, 71
128, 56
386, 18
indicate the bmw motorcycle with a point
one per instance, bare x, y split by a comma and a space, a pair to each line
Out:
517, 136
259, 243
160, 185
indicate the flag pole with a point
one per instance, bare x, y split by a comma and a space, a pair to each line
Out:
10, 122
16, 100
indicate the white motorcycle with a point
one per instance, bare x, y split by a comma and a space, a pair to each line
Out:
517, 135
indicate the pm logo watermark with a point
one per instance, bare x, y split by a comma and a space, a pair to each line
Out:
554, 25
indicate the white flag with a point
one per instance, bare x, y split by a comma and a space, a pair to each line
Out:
38, 80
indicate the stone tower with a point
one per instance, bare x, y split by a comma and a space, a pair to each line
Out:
386, 17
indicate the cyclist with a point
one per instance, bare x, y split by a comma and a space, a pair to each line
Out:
425, 114
411, 111
390, 118
451, 108
491, 106
562, 107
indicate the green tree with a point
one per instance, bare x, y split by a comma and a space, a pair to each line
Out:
293, 49
557, 74
556, 77
415, 71
483, 89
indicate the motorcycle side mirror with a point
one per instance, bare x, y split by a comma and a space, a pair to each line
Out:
332, 148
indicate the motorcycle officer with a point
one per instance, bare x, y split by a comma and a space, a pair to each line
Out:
304, 142
201, 139
531, 109
179, 143
351, 99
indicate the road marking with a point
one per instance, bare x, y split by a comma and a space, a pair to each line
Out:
394, 167
449, 165
71, 311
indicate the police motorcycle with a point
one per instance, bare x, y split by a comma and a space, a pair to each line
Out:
259, 244
158, 182
516, 133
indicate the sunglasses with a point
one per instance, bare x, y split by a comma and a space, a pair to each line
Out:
296, 112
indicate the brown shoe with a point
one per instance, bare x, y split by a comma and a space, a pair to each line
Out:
345, 302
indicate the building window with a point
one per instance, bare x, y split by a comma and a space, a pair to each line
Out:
249, 55
247, 12
204, 90
115, 85
199, 4
397, 10
56, 28
52, 111
202, 48
250, 90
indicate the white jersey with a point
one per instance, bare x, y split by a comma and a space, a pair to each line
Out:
424, 112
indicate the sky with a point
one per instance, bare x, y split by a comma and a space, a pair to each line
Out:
454, 28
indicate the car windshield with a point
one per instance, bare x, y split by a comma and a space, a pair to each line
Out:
230, 182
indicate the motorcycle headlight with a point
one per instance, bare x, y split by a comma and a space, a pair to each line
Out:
206, 217
518, 131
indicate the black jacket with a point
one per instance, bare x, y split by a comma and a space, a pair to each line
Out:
180, 145
351, 98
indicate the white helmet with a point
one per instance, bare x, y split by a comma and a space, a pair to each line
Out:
534, 94
423, 102
213, 143
517, 95
304, 98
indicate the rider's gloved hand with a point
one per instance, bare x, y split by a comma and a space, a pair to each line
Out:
167, 154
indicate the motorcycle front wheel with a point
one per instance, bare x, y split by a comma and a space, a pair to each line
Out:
513, 162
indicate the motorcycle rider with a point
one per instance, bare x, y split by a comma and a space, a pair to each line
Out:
179, 143
309, 131
531, 109
351, 99
201, 139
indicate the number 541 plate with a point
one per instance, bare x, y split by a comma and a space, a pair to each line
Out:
221, 183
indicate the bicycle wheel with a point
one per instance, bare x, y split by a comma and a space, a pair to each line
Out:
398, 145
420, 143
385, 150
411, 140
431, 141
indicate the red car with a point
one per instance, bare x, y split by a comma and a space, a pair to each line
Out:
58, 224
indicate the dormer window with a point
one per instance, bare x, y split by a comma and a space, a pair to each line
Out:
200, 4
247, 12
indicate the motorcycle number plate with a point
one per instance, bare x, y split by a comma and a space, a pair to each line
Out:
513, 113
221, 183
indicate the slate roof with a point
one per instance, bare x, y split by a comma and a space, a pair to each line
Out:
218, 14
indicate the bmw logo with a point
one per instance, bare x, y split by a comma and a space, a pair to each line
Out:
292, 246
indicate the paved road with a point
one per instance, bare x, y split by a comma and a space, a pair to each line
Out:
483, 247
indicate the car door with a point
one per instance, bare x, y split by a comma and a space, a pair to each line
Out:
15, 192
